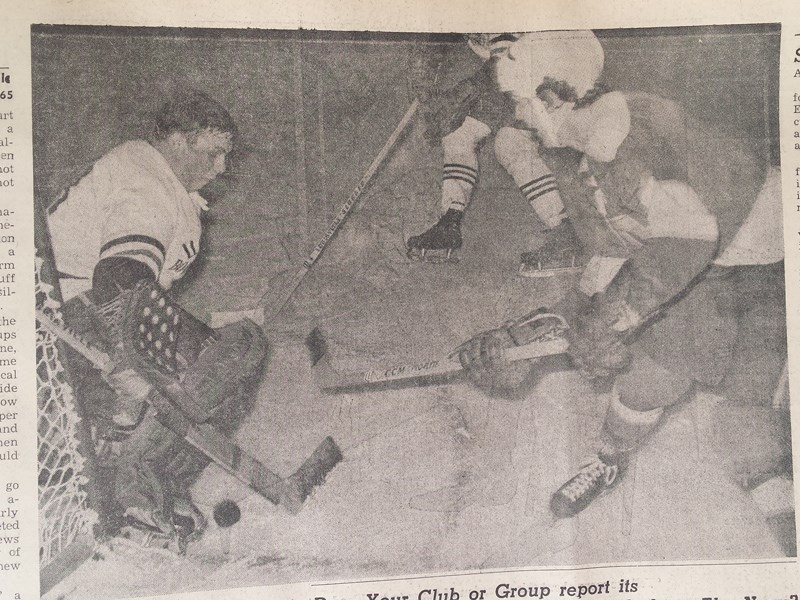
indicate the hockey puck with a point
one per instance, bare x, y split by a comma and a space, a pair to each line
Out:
227, 513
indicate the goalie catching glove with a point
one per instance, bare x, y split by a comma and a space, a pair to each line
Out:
483, 356
179, 356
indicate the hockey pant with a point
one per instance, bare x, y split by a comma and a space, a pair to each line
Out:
692, 343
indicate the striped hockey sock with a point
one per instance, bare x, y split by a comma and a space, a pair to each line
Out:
539, 187
543, 196
457, 183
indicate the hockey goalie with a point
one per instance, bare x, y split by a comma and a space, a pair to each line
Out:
121, 236
162, 390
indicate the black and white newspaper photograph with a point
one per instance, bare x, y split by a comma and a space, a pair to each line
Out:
547, 328
439, 313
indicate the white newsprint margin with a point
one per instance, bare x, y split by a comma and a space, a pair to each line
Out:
762, 579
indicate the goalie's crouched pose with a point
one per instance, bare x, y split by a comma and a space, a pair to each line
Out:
121, 236
171, 372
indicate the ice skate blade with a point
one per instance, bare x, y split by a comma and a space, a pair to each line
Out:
434, 257
139, 538
534, 273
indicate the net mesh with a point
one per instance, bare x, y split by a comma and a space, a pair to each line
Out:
63, 508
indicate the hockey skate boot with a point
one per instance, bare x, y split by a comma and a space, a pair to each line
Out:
188, 521
561, 253
593, 480
149, 529
152, 529
437, 244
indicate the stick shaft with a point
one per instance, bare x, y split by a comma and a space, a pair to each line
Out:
347, 207
233, 460
97, 357
432, 368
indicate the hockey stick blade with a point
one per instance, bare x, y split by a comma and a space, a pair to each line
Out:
312, 473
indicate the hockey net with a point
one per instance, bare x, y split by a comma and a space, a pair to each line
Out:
64, 513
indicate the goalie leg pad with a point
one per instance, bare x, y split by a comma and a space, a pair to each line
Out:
139, 483
155, 470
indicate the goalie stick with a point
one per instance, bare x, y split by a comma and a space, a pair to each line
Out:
289, 493
260, 313
434, 371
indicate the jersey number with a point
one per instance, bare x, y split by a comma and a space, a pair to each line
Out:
180, 265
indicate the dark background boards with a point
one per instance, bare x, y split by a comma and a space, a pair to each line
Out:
314, 109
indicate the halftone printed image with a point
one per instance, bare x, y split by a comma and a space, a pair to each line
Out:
330, 306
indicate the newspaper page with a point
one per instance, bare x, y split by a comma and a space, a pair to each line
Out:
399, 301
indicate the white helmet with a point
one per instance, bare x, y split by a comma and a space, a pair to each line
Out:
575, 57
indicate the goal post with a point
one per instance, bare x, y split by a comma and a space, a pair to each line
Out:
67, 492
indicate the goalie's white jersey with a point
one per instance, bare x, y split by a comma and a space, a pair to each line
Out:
130, 204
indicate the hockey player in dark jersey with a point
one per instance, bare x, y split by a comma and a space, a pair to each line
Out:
669, 212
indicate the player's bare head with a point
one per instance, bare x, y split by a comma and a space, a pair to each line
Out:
191, 112
560, 88
195, 134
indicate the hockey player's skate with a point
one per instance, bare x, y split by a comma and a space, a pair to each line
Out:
593, 480
150, 529
561, 253
188, 521
437, 244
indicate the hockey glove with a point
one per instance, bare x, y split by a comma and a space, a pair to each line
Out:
483, 355
424, 67
132, 391
596, 341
